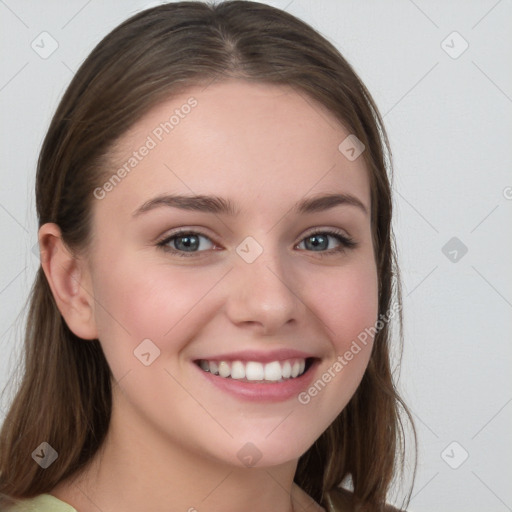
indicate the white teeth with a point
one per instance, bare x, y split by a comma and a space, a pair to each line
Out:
237, 370
275, 371
254, 371
224, 369
214, 367
287, 370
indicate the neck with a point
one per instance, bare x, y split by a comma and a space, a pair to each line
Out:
136, 471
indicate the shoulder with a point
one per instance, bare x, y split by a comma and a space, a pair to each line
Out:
41, 503
342, 500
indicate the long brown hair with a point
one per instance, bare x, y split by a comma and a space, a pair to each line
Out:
65, 394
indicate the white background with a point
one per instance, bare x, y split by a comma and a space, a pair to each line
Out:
450, 125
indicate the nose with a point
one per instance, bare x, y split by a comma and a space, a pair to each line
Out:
263, 294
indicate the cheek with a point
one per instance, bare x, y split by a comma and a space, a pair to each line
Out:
347, 303
348, 308
137, 301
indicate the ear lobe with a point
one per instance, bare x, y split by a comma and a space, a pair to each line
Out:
67, 276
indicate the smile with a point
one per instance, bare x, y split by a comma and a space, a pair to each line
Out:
255, 371
259, 376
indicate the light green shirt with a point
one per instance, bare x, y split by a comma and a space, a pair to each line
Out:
42, 503
337, 500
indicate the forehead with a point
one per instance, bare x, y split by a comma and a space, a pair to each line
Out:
259, 144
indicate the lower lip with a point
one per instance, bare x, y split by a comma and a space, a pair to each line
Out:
263, 392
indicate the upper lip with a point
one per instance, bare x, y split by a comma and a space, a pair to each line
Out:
259, 356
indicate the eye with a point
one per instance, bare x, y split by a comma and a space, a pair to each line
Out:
185, 243
189, 243
319, 241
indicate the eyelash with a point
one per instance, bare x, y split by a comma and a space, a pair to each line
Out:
345, 242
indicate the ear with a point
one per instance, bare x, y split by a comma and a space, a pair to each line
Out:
69, 281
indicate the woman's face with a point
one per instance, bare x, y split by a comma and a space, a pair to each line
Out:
256, 292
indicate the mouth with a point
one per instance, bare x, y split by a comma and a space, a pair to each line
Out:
277, 379
255, 371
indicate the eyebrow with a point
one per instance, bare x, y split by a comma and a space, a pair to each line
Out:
220, 205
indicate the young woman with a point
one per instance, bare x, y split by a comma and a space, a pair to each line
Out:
210, 326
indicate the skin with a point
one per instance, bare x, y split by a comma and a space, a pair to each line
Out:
173, 440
